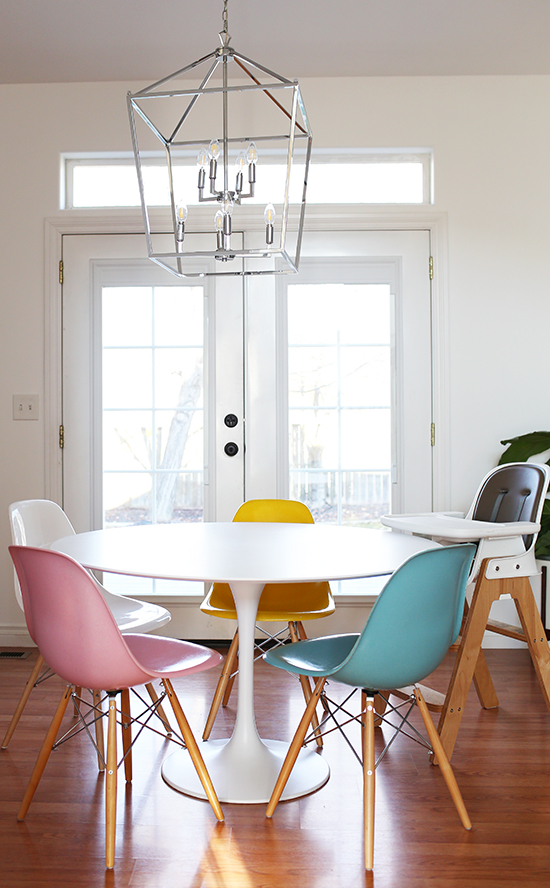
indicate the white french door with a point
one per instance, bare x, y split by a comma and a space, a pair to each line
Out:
343, 349
152, 388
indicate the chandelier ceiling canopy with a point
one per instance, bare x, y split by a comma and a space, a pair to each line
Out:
239, 141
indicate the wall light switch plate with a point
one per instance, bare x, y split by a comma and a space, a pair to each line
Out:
25, 406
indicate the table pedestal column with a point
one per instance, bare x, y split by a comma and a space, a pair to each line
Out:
245, 767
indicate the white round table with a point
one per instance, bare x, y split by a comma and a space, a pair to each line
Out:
245, 555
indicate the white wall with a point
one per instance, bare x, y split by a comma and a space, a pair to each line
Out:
490, 137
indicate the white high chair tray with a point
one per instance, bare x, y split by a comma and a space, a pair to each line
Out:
442, 525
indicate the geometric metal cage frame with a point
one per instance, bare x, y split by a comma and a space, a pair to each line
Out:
161, 115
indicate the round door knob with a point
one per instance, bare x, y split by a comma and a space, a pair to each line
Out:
231, 448
231, 420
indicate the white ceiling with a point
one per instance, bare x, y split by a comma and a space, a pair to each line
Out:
101, 40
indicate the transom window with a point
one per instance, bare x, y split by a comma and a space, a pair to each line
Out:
388, 178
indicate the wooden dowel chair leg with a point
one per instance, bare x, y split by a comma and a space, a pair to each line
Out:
160, 711
33, 677
294, 748
111, 786
380, 707
44, 753
221, 687
193, 750
306, 690
443, 761
368, 777
126, 720
295, 635
99, 738
228, 689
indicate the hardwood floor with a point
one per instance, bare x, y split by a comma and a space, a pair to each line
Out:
502, 764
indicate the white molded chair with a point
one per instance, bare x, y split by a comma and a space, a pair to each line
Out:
39, 523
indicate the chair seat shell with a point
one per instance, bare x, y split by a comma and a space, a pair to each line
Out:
279, 602
78, 636
410, 629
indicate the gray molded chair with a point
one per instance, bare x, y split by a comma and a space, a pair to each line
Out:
511, 492
70, 622
411, 627
40, 522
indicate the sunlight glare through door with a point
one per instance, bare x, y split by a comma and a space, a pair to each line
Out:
340, 371
153, 448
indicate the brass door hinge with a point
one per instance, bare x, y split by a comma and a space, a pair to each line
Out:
61, 271
432, 434
61, 437
431, 267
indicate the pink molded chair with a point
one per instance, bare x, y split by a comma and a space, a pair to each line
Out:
72, 626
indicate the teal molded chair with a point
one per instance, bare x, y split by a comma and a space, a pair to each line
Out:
411, 627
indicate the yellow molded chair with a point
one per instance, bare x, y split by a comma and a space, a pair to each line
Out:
290, 603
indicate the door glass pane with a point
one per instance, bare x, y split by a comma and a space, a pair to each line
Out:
152, 404
339, 360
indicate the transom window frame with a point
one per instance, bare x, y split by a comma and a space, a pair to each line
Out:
320, 156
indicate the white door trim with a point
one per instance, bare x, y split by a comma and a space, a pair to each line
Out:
317, 219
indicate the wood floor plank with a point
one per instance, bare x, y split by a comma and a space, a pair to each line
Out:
501, 761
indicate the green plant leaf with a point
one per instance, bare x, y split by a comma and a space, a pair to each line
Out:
524, 446
542, 545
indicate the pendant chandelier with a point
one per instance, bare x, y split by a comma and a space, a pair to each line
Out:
241, 142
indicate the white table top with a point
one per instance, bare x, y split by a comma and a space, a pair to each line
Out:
243, 552
246, 555
451, 527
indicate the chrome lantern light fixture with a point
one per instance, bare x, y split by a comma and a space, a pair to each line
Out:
239, 141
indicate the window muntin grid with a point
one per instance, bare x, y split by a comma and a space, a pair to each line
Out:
339, 395
153, 435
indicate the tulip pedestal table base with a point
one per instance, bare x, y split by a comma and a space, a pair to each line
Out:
246, 781
245, 767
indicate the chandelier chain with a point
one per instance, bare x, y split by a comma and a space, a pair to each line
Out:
224, 33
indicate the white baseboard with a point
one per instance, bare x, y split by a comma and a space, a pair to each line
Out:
15, 636
190, 623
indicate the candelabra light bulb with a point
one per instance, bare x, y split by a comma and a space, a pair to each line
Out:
218, 225
269, 219
240, 164
214, 149
252, 157
251, 153
213, 153
181, 216
227, 206
203, 157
